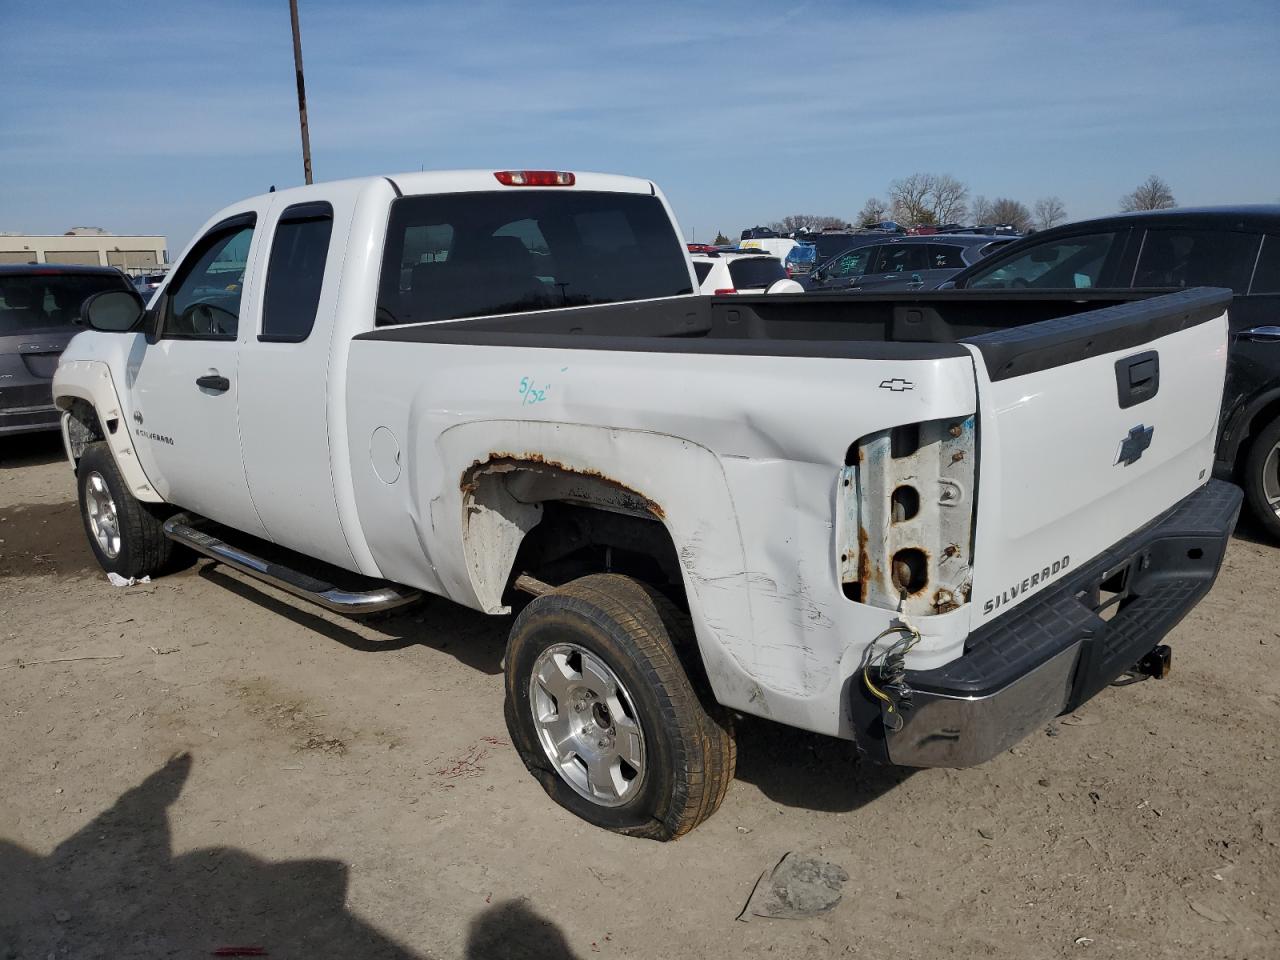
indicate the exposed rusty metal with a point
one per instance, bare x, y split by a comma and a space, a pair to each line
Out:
944, 601
505, 462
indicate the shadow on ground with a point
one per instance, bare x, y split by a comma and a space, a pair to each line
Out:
31, 450
810, 771
476, 640
44, 539
115, 889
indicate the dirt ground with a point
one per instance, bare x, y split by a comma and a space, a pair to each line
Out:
240, 769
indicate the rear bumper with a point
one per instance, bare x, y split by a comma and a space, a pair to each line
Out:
1050, 654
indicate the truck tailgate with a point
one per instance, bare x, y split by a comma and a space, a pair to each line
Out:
1089, 427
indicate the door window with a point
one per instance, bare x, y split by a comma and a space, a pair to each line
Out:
203, 301
901, 258
851, 263
1196, 258
1266, 277
1071, 262
295, 272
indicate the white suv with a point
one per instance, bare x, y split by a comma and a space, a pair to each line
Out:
723, 273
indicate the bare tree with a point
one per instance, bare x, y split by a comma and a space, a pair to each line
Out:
1049, 212
1013, 212
924, 198
980, 210
796, 221
1152, 194
873, 211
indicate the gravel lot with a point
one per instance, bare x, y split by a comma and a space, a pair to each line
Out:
240, 769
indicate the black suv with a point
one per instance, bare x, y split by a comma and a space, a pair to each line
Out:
1236, 247
39, 307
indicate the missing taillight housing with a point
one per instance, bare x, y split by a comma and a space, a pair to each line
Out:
905, 516
535, 178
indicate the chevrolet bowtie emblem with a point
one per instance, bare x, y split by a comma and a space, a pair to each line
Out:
1132, 446
897, 385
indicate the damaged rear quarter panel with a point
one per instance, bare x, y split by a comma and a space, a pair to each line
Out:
739, 457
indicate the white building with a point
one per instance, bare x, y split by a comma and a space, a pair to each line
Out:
87, 245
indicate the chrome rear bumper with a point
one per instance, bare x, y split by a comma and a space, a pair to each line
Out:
1050, 654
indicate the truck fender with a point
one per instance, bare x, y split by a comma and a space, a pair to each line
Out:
91, 410
670, 479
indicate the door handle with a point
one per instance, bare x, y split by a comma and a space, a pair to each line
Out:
1260, 334
214, 382
1137, 378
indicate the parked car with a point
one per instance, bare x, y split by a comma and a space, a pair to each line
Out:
802, 259
39, 307
725, 273
900, 263
778, 506
1234, 247
830, 244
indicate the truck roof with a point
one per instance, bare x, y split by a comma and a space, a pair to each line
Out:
418, 183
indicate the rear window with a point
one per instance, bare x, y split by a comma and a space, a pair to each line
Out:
473, 254
39, 301
751, 272
803, 253
1197, 258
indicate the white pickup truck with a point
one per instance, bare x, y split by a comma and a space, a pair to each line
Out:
925, 523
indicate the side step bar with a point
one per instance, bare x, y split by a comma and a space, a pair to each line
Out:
182, 529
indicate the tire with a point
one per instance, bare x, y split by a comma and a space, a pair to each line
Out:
683, 762
1262, 471
125, 534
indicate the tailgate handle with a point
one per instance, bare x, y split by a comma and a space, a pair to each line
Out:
1137, 378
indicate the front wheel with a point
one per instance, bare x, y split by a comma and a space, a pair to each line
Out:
1261, 480
604, 715
125, 534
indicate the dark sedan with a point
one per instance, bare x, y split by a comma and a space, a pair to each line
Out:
39, 306
1236, 247
900, 263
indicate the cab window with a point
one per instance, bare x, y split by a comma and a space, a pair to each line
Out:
295, 272
1068, 263
203, 300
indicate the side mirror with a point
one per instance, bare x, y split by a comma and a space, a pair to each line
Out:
113, 311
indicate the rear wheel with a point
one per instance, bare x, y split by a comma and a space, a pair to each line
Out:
125, 534
604, 715
1262, 478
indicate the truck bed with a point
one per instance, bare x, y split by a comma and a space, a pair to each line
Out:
906, 326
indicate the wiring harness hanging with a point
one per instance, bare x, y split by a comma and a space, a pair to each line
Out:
884, 670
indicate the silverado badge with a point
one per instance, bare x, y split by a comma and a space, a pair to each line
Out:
1132, 446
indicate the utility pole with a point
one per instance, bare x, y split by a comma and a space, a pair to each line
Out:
302, 92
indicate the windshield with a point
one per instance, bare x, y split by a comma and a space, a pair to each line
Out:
474, 254
40, 301
752, 272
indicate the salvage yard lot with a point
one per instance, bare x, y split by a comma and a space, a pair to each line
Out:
240, 768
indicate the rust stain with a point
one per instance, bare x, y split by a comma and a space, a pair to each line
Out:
957, 456
864, 558
501, 461
944, 600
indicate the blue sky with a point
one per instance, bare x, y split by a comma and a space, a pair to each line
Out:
143, 118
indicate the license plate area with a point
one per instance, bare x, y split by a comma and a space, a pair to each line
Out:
1113, 591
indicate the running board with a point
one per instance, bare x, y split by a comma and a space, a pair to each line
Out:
182, 529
